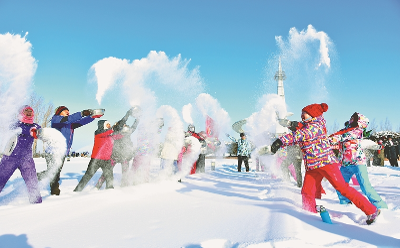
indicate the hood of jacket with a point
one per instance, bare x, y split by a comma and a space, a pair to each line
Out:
101, 126
362, 121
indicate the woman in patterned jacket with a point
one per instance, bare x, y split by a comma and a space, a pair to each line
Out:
320, 161
353, 158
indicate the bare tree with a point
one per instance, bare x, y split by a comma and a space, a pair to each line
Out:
373, 126
334, 128
387, 125
43, 113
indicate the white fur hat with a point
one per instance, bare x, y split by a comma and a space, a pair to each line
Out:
105, 124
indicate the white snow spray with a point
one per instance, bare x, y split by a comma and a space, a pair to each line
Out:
210, 107
56, 145
187, 113
148, 140
17, 67
193, 147
298, 41
306, 58
146, 83
148, 79
173, 141
262, 126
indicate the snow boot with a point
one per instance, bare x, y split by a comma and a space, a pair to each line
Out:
55, 191
372, 217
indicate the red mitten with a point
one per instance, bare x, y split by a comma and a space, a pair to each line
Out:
33, 132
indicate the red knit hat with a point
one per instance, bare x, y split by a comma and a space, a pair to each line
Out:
316, 109
60, 109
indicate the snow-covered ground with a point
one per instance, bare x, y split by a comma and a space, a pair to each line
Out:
218, 209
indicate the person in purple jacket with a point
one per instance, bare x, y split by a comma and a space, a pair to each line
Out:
21, 156
66, 124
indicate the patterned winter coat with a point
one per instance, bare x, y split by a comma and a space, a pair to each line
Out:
314, 143
244, 147
349, 141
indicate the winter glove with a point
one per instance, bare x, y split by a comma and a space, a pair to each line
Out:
86, 112
33, 132
293, 126
276, 145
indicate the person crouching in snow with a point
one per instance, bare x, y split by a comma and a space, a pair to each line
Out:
320, 161
101, 155
21, 157
353, 159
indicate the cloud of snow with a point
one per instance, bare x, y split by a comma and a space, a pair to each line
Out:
187, 113
262, 127
209, 106
308, 58
56, 144
298, 40
17, 68
139, 80
193, 147
107, 72
264, 122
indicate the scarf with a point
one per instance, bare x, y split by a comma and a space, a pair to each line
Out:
25, 119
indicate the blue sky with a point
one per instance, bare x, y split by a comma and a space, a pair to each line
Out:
231, 42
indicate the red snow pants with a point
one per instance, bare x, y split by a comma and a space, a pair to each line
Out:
193, 170
331, 172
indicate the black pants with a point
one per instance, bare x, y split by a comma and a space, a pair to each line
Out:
93, 166
201, 164
245, 159
393, 162
54, 168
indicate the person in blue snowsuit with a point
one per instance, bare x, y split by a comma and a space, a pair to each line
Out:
353, 160
21, 156
66, 124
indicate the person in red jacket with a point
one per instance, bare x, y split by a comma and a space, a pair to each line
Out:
101, 154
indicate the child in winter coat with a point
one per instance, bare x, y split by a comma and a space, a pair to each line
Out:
320, 161
21, 157
101, 155
353, 159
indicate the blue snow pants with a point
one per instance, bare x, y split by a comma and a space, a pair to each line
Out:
362, 177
